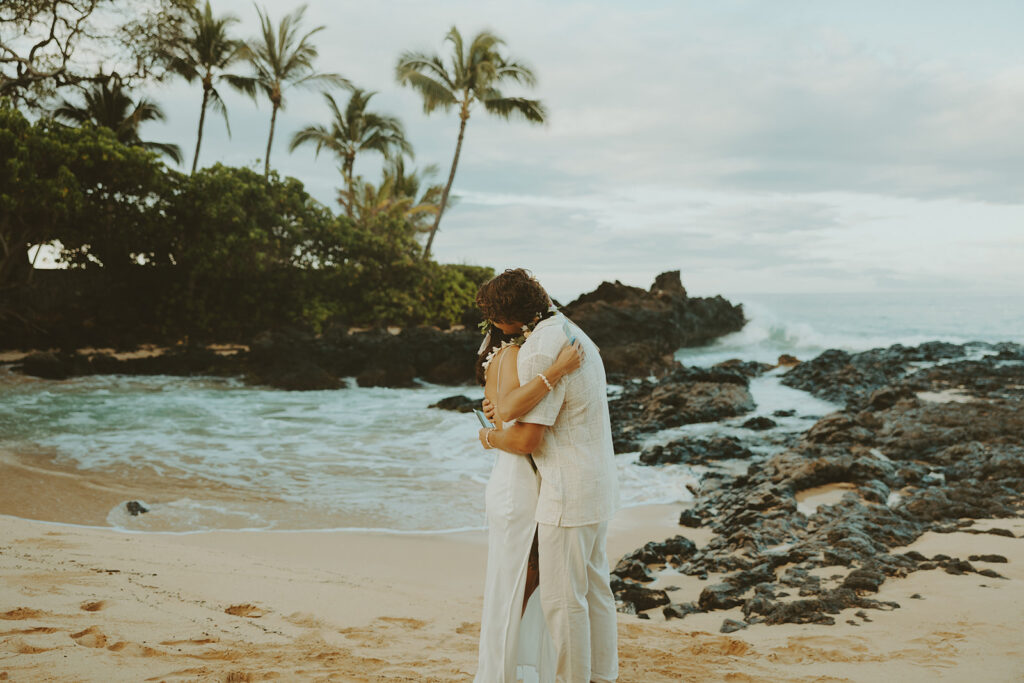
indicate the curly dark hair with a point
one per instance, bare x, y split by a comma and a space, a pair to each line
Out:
513, 296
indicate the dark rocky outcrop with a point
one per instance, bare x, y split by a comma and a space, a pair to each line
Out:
759, 423
695, 451
47, 365
136, 508
844, 377
638, 330
460, 404
684, 396
913, 465
750, 368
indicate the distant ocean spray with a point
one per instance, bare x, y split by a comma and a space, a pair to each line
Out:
804, 325
210, 453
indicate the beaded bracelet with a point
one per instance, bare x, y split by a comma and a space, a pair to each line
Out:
487, 438
541, 375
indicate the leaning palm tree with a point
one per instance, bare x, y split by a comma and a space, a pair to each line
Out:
108, 104
355, 130
474, 75
283, 58
397, 195
205, 51
425, 199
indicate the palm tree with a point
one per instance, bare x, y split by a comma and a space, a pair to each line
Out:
108, 104
282, 58
398, 194
205, 52
474, 75
355, 130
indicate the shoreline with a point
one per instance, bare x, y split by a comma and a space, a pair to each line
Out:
77, 602
328, 604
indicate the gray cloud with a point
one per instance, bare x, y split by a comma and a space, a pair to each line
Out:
712, 137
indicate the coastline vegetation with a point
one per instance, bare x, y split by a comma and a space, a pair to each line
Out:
152, 254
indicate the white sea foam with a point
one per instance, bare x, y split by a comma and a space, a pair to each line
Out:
234, 456
805, 325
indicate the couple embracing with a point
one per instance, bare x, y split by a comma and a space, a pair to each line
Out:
549, 613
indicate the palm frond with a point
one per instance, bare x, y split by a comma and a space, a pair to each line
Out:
317, 135
217, 104
515, 72
505, 107
433, 92
171, 150
243, 84
335, 80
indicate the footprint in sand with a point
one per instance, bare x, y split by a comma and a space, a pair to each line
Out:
246, 610
20, 647
413, 624
37, 629
192, 641
468, 628
90, 637
19, 613
305, 620
133, 649
94, 606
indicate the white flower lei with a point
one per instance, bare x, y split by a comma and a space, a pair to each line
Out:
494, 352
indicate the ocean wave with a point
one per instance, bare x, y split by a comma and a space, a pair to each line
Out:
805, 326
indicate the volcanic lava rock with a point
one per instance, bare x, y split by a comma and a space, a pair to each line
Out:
136, 508
460, 404
750, 368
684, 396
629, 568
838, 428
720, 596
913, 465
988, 558
731, 626
289, 359
864, 580
639, 330
679, 610
46, 365
636, 598
759, 423
816, 610
695, 451
690, 518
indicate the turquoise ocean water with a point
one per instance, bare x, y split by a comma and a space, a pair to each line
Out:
209, 453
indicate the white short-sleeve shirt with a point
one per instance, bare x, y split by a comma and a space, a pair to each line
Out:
579, 480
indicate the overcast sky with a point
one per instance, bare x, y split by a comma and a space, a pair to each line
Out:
789, 146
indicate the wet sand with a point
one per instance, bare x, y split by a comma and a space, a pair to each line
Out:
79, 603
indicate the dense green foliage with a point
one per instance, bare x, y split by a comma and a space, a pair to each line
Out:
218, 255
221, 254
77, 185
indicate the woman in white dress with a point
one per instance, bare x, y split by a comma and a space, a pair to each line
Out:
514, 641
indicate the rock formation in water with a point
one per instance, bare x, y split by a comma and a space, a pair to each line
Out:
638, 330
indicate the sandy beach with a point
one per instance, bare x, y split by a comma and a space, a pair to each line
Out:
94, 604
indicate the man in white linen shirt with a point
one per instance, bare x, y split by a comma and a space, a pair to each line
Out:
569, 435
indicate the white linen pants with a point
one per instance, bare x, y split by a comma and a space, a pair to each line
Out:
578, 603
